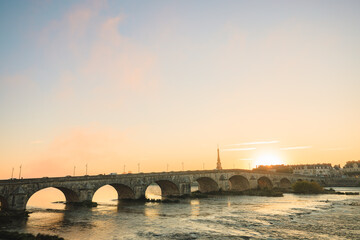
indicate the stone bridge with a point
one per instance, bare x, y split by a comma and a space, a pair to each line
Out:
15, 193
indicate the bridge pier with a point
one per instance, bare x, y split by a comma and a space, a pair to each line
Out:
223, 183
253, 183
86, 195
17, 200
139, 192
185, 189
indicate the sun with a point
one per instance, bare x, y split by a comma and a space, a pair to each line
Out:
268, 159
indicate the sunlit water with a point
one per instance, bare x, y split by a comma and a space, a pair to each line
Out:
217, 217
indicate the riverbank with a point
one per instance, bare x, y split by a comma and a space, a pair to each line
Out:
332, 191
8, 235
6, 216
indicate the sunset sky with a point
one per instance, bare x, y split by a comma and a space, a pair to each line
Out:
114, 83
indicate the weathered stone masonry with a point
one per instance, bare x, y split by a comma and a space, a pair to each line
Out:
15, 193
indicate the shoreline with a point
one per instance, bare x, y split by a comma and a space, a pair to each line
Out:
10, 235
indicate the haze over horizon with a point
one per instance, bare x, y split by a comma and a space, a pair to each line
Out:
114, 83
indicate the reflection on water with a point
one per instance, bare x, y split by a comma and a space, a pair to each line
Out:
152, 210
217, 217
195, 207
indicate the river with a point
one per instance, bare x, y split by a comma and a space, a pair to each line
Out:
217, 217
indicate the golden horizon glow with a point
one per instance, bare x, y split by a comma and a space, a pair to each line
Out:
268, 159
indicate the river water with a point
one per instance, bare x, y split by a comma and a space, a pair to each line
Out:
216, 217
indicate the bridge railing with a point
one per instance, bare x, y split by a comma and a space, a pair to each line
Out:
134, 175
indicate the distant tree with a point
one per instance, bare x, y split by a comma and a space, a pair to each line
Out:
285, 169
262, 168
306, 187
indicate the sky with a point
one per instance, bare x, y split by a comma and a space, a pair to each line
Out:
158, 85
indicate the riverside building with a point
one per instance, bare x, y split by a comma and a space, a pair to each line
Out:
352, 168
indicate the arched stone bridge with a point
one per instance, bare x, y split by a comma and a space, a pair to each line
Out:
15, 193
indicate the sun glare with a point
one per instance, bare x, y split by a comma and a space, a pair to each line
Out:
268, 159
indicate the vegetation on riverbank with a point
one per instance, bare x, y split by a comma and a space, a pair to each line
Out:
166, 200
6, 216
6, 235
9, 214
265, 192
197, 195
332, 191
89, 204
306, 187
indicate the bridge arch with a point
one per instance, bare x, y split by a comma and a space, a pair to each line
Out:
285, 183
239, 183
264, 182
207, 184
70, 195
167, 188
123, 191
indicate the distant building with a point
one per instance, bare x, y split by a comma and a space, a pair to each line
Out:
352, 168
322, 169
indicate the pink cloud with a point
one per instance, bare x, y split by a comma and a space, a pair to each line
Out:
18, 87
110, 65
118, 62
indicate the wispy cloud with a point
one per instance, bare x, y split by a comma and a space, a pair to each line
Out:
335, 149
295, 148
112, 65
238, 149
254, 143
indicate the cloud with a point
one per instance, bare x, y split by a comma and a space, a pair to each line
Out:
116, 61
17, 85
254, 143
238, 149
71, 28
336, 149
94, 64
295, 148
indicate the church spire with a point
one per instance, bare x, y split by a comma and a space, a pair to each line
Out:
218, 164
